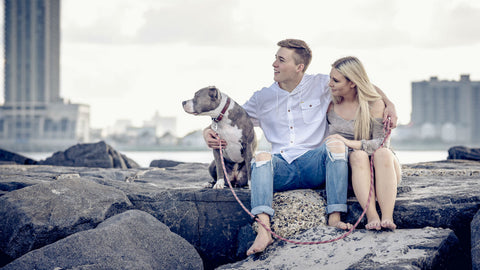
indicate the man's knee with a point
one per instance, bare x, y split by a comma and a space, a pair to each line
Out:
262, 158
337, 149
335, 146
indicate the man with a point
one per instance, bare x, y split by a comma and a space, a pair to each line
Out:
292, 115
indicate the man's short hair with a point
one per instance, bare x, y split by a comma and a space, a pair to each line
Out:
303, 54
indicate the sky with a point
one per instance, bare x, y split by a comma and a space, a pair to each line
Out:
129, 59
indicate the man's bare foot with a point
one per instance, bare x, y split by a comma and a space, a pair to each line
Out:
388, 224
334, 221
373, 225
262, 241
341, 225
264, 238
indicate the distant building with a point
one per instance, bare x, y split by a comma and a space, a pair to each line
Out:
34, 116
194, 140
446, 111
141, 136
163, 124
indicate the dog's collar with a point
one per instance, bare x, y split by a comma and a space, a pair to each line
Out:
220, 116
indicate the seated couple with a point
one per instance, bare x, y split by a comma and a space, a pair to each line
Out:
318, 125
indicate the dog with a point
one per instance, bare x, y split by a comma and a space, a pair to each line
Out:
232, 124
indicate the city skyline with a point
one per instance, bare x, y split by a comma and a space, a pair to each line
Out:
128, 59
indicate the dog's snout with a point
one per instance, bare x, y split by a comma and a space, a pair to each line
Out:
184, 102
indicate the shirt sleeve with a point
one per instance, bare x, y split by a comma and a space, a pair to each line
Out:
378, 135
251, 108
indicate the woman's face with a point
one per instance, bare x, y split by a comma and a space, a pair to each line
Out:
339, 85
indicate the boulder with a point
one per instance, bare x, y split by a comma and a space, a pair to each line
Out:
462, 152
433, 194
97, 154
208, 219
428, 248
475, 230
131, 240
41, 214
297, 211
7, 157
164, 163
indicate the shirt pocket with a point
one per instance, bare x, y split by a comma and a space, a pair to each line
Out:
312, 111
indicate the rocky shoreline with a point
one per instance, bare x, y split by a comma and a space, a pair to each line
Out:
64, 217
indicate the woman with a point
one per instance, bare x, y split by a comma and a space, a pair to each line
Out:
355, 117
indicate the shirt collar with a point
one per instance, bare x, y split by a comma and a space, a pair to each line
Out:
299, 87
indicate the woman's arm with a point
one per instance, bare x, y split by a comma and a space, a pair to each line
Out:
371, 145
378, 135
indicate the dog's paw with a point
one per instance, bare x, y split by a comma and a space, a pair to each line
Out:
220, 184
207, 185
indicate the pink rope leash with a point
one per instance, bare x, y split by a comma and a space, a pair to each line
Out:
386, 130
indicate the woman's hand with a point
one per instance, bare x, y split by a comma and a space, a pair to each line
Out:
338, 137
211, 138
350, 143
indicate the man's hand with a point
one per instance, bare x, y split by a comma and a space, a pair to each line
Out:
389, 109
211, 138
392, 113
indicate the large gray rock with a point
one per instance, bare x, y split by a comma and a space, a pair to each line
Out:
7, 157
44, 213
475, 229
164, 163
297, 211
131, 240
429, 248
463, 152
437, 194
209, 219
97, 154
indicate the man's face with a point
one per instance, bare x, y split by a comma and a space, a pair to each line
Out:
284, 66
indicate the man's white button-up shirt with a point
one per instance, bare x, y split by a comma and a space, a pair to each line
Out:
292, 122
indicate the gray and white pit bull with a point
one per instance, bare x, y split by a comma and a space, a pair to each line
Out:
232, 124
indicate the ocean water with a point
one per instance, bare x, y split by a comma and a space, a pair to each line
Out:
143, 158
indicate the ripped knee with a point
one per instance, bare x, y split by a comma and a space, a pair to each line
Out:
262, 158
337, 150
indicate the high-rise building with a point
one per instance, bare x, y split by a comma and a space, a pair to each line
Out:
447, 110
34, 116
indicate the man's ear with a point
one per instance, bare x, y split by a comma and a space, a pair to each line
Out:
300, 67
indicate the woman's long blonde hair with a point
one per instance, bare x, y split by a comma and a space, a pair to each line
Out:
352, 69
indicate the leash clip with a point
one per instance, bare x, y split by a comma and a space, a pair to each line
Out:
214, 126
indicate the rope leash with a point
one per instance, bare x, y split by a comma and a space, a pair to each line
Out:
386, 130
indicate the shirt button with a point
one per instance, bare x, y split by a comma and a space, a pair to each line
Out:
288, 110
291, 127
281, 151
310, 105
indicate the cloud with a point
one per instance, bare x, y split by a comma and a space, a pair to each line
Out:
204, 23
366, 24
212, 22
453, 26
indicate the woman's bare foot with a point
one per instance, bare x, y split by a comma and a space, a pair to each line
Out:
388, 224
373, 225
334, 221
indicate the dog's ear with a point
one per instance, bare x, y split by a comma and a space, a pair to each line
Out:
213, 92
